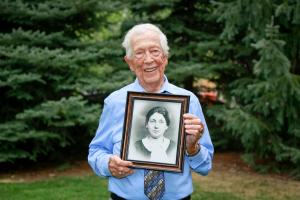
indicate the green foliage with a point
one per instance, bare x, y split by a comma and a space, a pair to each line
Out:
262, 108
251, 50
50, 67
58, 58
18, 140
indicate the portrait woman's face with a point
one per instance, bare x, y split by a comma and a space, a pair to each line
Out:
157, 125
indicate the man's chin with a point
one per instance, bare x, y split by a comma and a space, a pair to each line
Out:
153, 80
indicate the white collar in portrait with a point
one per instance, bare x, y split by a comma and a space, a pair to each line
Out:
160, 144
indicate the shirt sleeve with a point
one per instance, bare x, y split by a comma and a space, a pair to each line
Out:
201, 162
101, 147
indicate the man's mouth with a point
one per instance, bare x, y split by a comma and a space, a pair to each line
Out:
150, 69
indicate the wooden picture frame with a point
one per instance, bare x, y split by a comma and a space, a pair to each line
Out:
153, 133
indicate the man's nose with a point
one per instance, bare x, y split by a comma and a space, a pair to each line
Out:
148, 57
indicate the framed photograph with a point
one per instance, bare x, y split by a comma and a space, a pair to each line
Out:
153, 135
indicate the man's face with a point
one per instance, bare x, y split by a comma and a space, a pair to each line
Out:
148, 61
157, 125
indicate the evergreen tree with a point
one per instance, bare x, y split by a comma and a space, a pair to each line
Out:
58, 58
254, 61
52, 63
262, 108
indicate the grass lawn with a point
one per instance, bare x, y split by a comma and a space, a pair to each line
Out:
83, 187
91, 187
76, 188
230, 179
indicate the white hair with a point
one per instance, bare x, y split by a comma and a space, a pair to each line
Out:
140, 29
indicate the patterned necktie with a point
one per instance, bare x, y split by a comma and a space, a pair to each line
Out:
154, 184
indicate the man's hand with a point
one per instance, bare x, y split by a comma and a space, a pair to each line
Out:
119, 168
194, 130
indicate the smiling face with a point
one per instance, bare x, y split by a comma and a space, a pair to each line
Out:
157, 125
148, 61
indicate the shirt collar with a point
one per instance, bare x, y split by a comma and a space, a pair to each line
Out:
166, 88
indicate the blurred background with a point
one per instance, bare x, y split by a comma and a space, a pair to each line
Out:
59, 59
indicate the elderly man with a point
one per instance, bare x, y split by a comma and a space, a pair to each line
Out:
147, 56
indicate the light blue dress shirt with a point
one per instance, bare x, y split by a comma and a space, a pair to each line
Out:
107, 142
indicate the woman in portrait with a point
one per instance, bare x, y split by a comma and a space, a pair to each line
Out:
155, 146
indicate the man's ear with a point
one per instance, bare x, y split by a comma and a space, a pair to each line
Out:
129, 63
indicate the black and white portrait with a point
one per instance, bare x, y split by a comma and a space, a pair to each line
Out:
154, 131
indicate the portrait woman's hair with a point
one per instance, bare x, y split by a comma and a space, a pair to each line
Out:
160, 110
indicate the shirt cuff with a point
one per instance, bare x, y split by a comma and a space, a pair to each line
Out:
102, 165
198, 158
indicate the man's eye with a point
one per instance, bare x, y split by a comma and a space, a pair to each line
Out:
155, 52
139, 53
